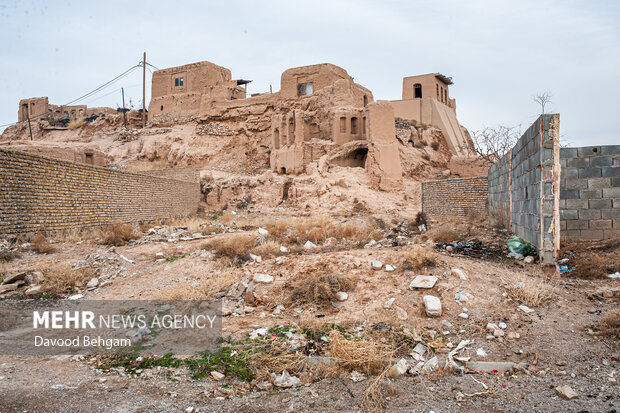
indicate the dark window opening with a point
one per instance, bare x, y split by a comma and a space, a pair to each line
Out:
354, 126
417, 90
304, 89
276, 138
343, 125
437, 89
283, 170
365, 100
178, 81
161, 108
90, 159
364, 126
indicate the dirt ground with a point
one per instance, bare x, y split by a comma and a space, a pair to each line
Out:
560, 342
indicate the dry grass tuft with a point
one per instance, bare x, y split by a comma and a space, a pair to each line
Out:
317, 286
610, 324
75, 124
194, 223
235, 248
366, 355
277, 228
442, 234
375, 395
416, 257
60, 277
41, 245
268, 249
208, 283
275, 358
78, 234
529, 290
118, 233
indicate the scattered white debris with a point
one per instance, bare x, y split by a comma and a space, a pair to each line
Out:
459, 273
502, 325
464, 315
376, 265
341, 296
258, 332
283, 249
356, 376
309, 245
263, 231
432, 305
525, 309
217, 375
263, 278
480, 352
285, 380
76, 297
388, 303
399, 368
389, 268
615, 275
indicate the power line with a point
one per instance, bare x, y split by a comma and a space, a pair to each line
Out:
92, 92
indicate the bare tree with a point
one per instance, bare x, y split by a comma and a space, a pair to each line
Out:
490, 144
542, 99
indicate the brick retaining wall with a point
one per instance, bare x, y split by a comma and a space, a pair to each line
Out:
44, 194
455, 197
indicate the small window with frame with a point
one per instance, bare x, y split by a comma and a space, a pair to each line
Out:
178, 81
305, 89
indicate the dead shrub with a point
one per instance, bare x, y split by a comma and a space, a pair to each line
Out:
61, 278
118, 233
610, 324
420, 219
443, 234
275, 357
421, 143
499, 218
75, 124
268, 249
41, 245
426, 157
7, 255
416, 257
277, 228
435, 145
235, 248
317, 286
529, 290
365, 355
208, 283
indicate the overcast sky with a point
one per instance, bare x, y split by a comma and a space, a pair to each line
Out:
499, 53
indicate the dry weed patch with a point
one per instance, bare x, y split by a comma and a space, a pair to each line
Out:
118, 233
60, 277
529, 290
208, 283
317, 286
75, 124
610, 324
41, 245
365, 355
236, 249
417, 257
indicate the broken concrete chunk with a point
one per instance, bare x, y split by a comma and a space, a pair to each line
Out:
525, 309
432, 305
376, 265
388, 303
263, 231
263, 278
309, 245
33, 290
465, 316
94, 282
566, 392
283, 249
420, 349
490, 366
341, 296
217, 375
10, 279
8, 287
356, 376
431, 364
529, 259
389, 268
423, 281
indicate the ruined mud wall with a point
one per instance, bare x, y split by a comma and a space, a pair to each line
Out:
590, 192
43, 194
455, 197
524, 187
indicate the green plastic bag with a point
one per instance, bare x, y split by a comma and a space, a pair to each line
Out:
518, 246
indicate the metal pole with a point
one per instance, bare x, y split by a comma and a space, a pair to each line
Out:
144, 91
124, 112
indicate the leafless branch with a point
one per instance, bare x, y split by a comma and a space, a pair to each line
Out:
490, 144
542, 98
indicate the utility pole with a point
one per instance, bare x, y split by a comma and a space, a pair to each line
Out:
28, 117
144, 91
124, 111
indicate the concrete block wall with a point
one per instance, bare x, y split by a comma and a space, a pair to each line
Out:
524, 187
590, 192
44, 194
455, 197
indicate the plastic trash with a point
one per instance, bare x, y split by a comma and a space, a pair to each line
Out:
518, 246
